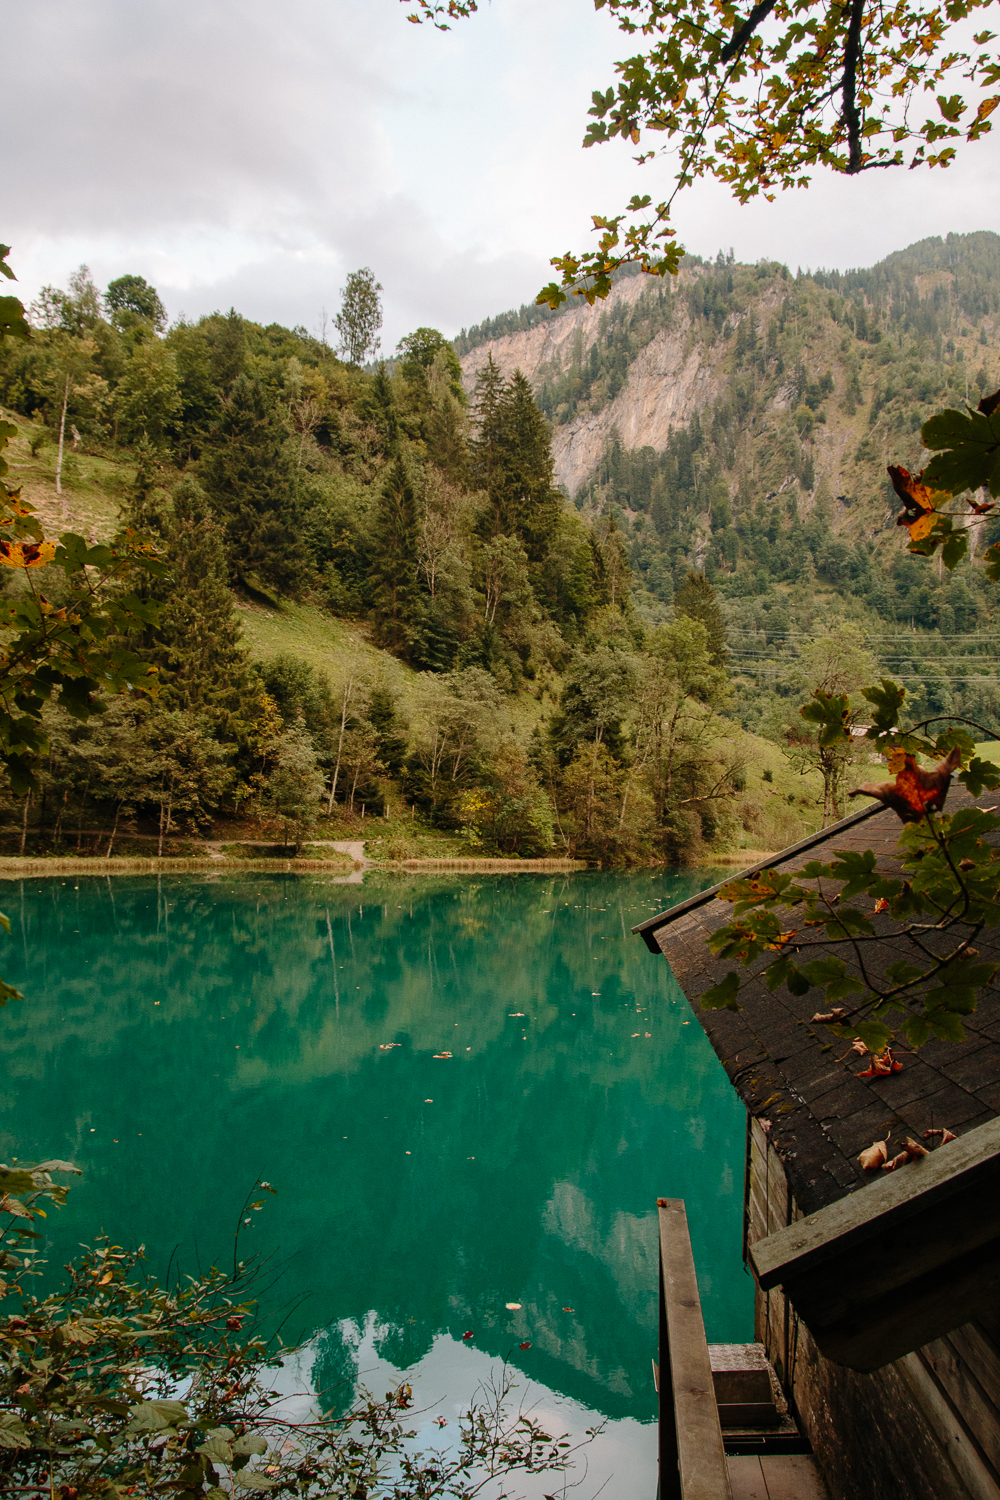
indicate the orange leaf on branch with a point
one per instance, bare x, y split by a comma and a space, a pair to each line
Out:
26, 554
919, 502
914, 791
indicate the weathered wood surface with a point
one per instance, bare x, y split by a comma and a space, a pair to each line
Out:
779, 1477
903, 1261
922, 1428
692, 1457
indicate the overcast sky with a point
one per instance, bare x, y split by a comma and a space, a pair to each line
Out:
251, 153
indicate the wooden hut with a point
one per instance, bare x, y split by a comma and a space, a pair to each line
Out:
878, 1296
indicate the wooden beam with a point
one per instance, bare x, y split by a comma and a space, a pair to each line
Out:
692, 1457
895, 1264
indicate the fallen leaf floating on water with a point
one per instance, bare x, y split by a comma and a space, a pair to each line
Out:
442, 1054
388, 1046
912, 1151
526, 1345
569, 1309
914, 791
945, 1134
833, 1014
512, 1306
512, 1015
469, 1335
874, 1155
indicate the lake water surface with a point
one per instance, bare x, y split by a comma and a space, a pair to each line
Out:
468, 1090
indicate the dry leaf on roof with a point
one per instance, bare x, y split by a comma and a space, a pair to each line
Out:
912, 1151
881, 1065
833, 1014
874, 1155
945, 1134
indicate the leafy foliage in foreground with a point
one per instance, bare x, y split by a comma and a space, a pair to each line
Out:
946, 896
115, 1384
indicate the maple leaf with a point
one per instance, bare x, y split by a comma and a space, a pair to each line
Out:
914, 791
918, 501
874, 1155
26, 554
880, 1065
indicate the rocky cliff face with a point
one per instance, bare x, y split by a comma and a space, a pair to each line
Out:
671, 378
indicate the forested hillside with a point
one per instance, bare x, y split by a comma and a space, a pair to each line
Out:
786, 397
611, 669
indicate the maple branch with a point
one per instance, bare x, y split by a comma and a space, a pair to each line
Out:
737, 42
850, 115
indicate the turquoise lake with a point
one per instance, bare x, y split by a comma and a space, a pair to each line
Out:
469, 1091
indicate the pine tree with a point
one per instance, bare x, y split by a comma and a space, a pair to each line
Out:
394, 570
391, 729
485, 446
203, 666
249, 478
696, 599
529, 504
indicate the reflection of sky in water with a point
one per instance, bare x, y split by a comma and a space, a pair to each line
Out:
186, 1036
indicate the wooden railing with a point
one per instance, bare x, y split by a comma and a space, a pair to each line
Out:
692, 1458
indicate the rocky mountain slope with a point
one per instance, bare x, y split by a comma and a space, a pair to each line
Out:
883, 343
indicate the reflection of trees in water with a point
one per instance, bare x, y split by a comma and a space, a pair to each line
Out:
248, 1067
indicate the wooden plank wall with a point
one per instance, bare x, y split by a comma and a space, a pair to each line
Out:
922, 1428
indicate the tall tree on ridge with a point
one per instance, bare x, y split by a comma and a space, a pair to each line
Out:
360, 317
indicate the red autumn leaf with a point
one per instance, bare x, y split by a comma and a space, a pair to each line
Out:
881, 904
918, 502
881, 1065
235, 1324
914, 791
525, 1346
569, 1309
441, 1421
469, 1335
874, 1155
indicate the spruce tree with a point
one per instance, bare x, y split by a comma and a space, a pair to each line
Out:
203, 665
529, 500
249, 478
391, 729
485, 446
512, 462
696, 599
394, 569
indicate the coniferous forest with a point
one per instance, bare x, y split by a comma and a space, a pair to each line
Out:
378, 602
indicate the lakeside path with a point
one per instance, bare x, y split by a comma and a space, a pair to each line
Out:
348, 864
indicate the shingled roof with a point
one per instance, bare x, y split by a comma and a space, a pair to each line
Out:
787, 1071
